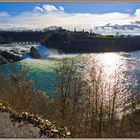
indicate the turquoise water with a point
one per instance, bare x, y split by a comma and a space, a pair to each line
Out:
41, 71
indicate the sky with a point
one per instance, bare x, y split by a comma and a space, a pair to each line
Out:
69, 15
73, 7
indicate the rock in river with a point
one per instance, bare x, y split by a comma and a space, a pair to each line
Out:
2, 60
34, 53
10, 57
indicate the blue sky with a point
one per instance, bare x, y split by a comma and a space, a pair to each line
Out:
70, 15
70, 7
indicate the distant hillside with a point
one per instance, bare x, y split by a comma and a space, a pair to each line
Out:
74, 41
85, 42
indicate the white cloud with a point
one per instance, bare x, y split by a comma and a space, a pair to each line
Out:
49, 8
137, 13
37, 8
61, 8
50, 15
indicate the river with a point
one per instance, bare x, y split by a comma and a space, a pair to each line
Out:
42, 71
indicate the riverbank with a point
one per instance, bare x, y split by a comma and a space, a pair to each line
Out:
84, 42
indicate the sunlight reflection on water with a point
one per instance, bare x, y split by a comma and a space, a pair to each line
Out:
110, 63
116, 72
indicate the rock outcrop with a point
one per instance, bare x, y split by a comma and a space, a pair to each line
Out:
34, 53
8, 130
40, 127
2, 60
10, 57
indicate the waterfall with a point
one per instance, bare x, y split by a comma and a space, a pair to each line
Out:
25, 55
43, 51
